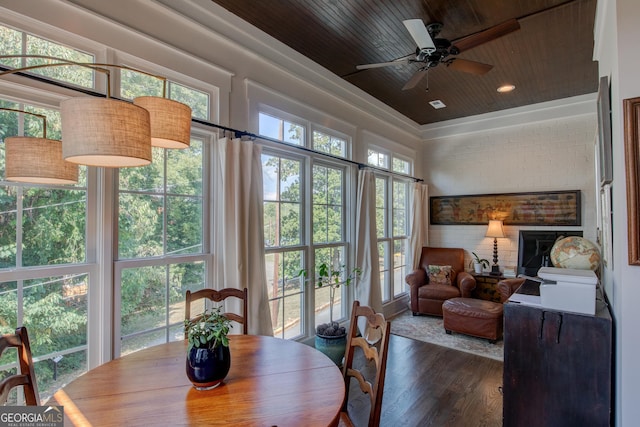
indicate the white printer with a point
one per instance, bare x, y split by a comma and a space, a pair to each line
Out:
568, 289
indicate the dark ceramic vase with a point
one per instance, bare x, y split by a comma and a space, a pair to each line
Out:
333, 347
207, 368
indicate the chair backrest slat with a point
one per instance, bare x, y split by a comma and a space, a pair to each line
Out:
374, 345
219, 296
26, 376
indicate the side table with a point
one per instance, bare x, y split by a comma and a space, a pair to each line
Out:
486, 286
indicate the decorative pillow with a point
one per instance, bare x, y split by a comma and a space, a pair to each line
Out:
439, 274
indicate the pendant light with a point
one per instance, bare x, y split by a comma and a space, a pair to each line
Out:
105, 132
37, 160
170, 121
112, 133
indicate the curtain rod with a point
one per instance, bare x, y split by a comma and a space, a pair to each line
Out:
239, 133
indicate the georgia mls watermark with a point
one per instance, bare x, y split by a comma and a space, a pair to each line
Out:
31, 416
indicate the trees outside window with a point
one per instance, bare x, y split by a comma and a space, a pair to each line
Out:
392, 222
305, 223
161, 222
285, 251
44, 276
42, 243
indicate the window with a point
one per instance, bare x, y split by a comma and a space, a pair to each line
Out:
134, 84
292, 205
401, 166
329, 144
13, 42
378, 159
161, 211
51, 241
392, 222
281, 129
400, 215
283, 209
329, 234
43, 242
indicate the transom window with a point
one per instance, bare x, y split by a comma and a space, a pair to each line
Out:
14, 42
378, 159
135, 84
281, 129
329, 144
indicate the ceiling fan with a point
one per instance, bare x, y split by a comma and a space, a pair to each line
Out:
432, 50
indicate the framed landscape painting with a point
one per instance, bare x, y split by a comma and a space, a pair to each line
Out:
560, 208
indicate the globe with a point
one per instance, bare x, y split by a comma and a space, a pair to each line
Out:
575, 252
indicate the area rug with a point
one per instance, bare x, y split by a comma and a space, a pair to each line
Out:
430, 329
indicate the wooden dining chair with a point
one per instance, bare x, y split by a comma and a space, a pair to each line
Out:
26, 376
218, 296
374, 345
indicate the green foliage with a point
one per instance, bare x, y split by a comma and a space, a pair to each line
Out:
332, 275
208, 330
335, 275
478, 260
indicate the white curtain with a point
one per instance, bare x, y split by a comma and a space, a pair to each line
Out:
239, 225
419, 222
367, 290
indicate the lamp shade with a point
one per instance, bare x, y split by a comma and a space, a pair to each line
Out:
105, 132
38, 161
495, 229
170, 121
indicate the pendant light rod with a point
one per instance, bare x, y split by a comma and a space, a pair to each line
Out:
41, 116
169, 120
91, 65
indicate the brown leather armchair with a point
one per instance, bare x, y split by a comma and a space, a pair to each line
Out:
427, 298
506, 287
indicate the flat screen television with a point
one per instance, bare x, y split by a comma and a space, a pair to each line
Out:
534, 247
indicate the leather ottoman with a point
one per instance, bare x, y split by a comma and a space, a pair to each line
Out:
475, 317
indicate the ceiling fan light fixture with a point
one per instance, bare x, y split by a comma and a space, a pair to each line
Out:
506, 88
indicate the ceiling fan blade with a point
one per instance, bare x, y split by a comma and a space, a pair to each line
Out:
420, 34
415, 79
382, 64
487, 35
467, 66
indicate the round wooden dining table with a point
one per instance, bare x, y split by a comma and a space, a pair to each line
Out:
272, 382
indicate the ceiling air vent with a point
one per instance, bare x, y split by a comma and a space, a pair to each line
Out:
437, 104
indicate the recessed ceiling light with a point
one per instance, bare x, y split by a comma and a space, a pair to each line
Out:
506, 88
437, 104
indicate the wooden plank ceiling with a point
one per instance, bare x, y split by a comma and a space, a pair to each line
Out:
549, 57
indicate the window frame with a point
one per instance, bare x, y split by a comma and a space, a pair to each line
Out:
308, 246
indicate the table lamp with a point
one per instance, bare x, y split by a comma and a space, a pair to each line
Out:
495, 230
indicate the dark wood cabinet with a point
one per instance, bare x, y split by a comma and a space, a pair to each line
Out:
486, 286
557, 367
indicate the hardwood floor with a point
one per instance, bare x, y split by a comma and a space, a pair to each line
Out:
430, 385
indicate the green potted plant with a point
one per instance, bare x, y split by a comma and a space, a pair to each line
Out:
331, 337
479, 263
208, 356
